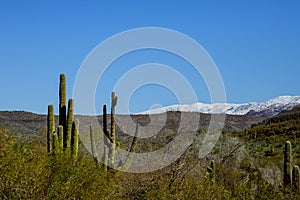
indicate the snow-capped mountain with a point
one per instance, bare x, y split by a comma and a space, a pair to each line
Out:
268, 108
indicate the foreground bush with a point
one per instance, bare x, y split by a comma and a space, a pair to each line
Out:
27, 172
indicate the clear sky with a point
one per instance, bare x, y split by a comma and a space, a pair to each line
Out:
255, 44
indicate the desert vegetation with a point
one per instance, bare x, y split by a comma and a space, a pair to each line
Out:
28, 172
258, 162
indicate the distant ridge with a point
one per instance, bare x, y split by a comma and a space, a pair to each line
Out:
268, 108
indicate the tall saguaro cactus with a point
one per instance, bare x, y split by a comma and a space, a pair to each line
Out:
114, 100
70, 120
50, 128
75, 139
63, 105
106, 139
287, 176
105, 130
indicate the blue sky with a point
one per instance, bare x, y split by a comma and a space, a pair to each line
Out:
255, 44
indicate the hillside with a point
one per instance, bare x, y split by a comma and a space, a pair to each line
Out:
26, 124
285, 125
264, 143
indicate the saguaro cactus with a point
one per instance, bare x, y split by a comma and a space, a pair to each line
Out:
63, 105
287, 176
105, 130
75, 139
50, 128
70, 120
296, 177
106, 139
114, 100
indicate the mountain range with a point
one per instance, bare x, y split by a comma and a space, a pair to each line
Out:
268, 108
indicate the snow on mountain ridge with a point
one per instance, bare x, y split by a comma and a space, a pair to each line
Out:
268, 108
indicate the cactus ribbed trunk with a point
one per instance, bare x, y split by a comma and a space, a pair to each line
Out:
287, 176
63, 106
296, 177
55, 144
50, 128
114, 100
105, 158
106, 139
75, 135
60, 133
70, 120
105, 130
